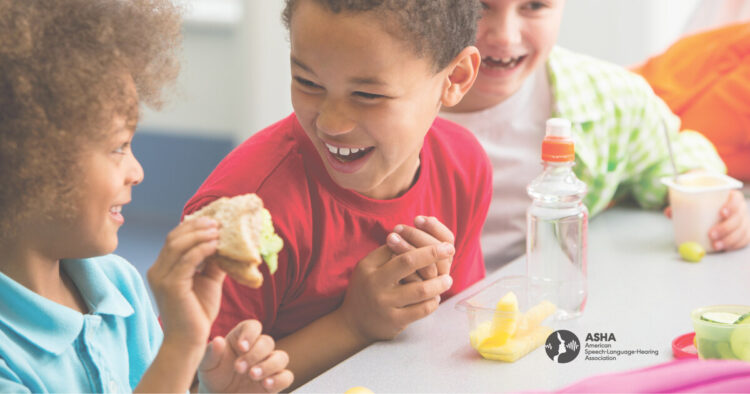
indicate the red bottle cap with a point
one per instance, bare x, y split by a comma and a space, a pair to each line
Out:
684, 347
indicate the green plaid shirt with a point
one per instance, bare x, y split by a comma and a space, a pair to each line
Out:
620, 144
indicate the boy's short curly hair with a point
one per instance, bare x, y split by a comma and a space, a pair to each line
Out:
440, 29
62, 78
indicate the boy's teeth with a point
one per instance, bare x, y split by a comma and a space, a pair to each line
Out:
116, 209
503, 62
343, 151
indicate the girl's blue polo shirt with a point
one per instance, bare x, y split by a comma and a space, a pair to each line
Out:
47, 347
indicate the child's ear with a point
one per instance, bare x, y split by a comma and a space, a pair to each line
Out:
462, 72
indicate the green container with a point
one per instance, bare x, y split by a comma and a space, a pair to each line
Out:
722, 340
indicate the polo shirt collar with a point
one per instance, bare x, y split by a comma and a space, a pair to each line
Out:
49, 325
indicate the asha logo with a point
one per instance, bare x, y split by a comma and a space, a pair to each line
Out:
601, 336
562, 346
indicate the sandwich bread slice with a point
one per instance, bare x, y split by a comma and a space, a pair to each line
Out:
246, 237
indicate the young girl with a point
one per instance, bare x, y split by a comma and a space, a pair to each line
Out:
74, 318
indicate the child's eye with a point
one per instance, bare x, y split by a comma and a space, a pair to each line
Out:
368, 96
485, 6
307, 83
122, 148
534, 6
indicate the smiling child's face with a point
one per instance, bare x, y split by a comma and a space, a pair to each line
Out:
109, 172
364, 99
514, 37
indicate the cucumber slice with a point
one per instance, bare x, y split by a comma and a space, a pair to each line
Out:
740, 338
707, 348
724, 350
744, 319
720, 317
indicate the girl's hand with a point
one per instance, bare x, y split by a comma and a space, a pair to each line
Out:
188, 299
244, 361
733, 230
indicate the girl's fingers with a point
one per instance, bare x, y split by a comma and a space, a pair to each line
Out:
210, 269
258, 352
187, 265
271, 365
278, 382
242, 337
214, 352
188, 240
188, 227
434, 227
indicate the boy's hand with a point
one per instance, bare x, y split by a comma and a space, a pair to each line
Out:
244, 361
188, 300
378, 306
429, 231
733, 230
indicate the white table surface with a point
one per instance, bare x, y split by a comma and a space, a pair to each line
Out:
639, 289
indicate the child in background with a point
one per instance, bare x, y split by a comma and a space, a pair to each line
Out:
705, 80
617, 126
344, 177
73, 318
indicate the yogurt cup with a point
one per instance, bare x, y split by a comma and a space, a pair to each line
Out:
696, 199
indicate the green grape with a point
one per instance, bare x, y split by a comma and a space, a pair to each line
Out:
691, 251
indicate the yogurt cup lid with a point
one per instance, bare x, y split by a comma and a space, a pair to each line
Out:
701, 182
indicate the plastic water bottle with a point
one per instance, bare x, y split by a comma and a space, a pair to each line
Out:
557, 226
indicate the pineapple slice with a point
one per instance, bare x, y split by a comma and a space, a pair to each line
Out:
517, 347
511, 335
504, 322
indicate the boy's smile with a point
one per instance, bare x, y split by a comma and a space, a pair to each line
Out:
514, 38
347, 159
364, 99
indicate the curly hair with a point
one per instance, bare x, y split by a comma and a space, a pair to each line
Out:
61, 81
440, 29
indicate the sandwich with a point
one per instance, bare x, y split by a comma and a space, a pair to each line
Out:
246, 236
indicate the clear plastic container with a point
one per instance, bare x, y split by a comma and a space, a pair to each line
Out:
481, 311
696, 199
722, 340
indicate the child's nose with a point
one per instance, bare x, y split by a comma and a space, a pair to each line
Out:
333, 120
135, 173
504, 30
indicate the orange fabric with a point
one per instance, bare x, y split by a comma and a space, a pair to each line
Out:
705, 80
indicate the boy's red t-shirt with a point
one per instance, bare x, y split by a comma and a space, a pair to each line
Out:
327, 230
